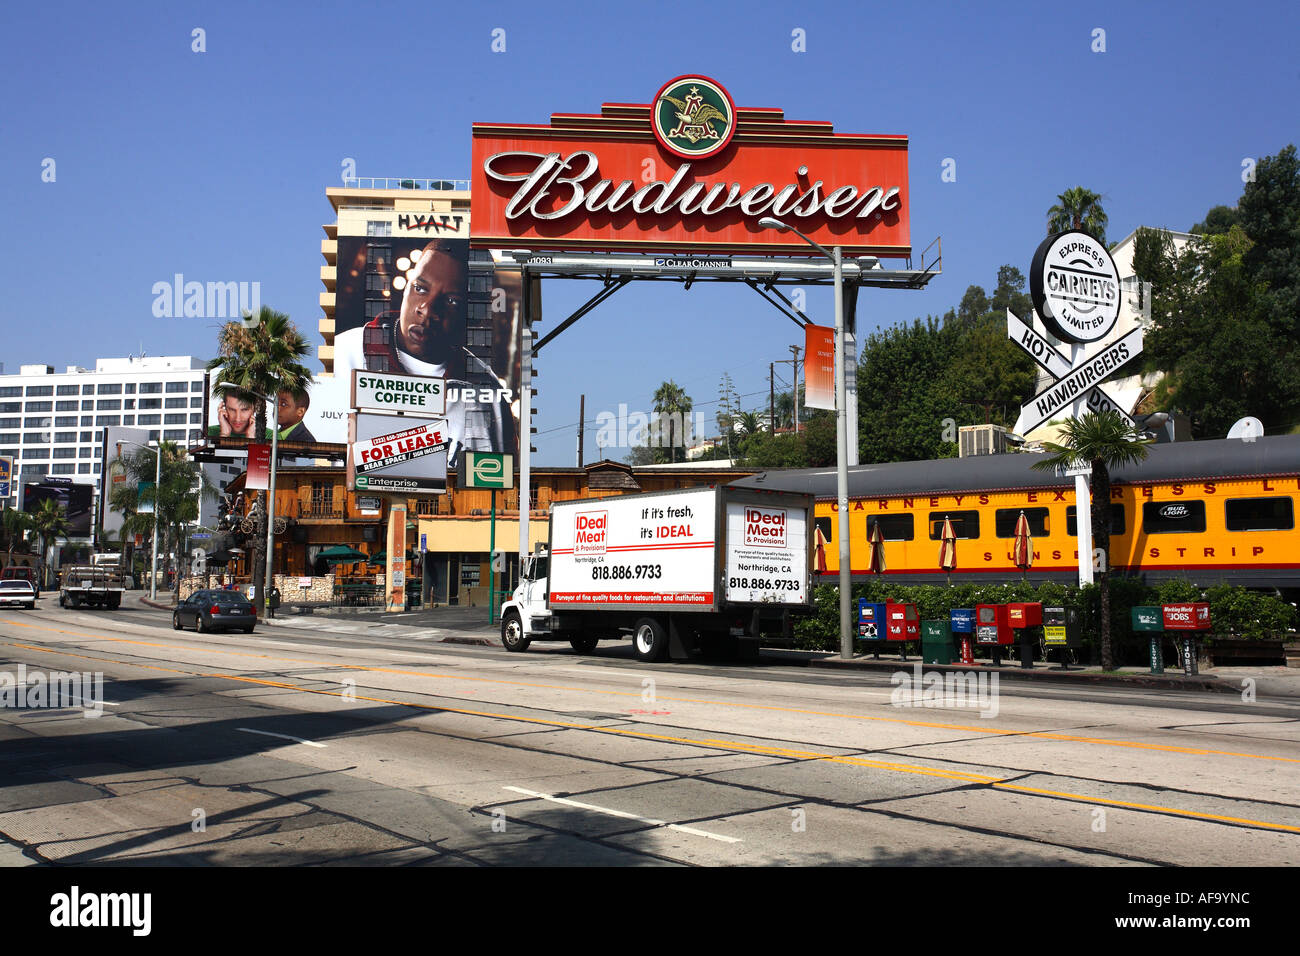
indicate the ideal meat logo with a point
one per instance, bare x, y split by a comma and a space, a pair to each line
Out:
590, 532
765, 527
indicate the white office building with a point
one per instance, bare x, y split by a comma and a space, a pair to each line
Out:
52, 423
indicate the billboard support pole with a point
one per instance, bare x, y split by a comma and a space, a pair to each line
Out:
492, 562
525, 412
153, 553
270, 504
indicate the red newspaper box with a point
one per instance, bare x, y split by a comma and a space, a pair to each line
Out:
993, 625
1025, 615
903, 623
1192, 616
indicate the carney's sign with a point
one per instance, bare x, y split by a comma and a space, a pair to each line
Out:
687, 172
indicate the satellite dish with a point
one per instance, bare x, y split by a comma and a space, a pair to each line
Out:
1247, 429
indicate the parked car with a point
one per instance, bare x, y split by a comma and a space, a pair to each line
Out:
18, 572
215, 610
14, 591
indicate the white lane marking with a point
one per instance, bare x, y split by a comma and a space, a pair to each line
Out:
267, 733
96, 703
624, 815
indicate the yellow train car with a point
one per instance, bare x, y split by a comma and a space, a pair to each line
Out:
1208, 511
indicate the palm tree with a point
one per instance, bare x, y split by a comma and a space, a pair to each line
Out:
15, 526
1104, 441
748, 423
260, 355
49, 522
1078, 208
671, 400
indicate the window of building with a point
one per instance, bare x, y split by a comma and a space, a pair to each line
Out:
153, 435
196, 401
95, 468
87, 420
88, 405
130, 388
892, 527
65, 436
379, 227
1004, 521
63, 469
110, 389
10, 391
196, 435
151, 403
378, 255
8, 436
469, 570
34, 470
480, 282
40, 407
36, 438
174, 387
322, 498
196, 418
11, 423
479, 338
65, 421
108, 419
65, 452
1173, 517
1259, 514
174, 434
40, 421
87, 453
65, 406
83, 468
128, 403
66, 390
479, 314
39, 391
965, 524
196, 385
85, 436
374, 307
175, 403
10, 452
148, 419
378, 282
35, 454
87, 390
128, 419
1118, 520
11, 406
151, 388
109, 404
173, 418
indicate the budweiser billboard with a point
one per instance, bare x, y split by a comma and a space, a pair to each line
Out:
687, 172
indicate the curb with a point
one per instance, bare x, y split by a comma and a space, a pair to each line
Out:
1149, 681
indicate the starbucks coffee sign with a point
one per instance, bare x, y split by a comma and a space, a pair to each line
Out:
1075, 287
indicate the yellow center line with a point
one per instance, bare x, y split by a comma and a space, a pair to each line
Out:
931, 725
712, 743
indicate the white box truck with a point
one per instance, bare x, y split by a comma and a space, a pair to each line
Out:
683, 572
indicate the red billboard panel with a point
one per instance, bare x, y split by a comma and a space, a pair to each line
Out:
819, 366
687, 173
259, 467
1193, 616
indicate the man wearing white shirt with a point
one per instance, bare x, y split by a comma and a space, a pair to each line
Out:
427, 338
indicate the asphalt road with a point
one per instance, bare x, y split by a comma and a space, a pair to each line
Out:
315, 742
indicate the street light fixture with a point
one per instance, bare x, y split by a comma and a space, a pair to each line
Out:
270, 495
157, 483
841, 433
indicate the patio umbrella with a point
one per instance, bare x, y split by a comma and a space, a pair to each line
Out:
221, 558
342, 554
379, 557
876, 563
948, 549
821, 551
1023, 549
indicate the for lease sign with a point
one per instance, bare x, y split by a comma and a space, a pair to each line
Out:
388, 453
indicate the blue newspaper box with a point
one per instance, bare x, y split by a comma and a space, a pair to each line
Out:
962, 619
871, 621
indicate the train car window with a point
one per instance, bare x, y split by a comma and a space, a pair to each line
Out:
1259, 514
1118, 521
893, 527
1004, 520
824, 526
1173, 517
966, 524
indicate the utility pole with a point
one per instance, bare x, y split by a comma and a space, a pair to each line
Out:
582, 416
771, 398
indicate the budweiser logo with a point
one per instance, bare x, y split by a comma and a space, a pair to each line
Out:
548, 186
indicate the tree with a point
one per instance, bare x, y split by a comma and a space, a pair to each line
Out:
14, 527
990, 371
1078, 208
260, 356
747, 423
973, 304
1217, 221
1104, 441
48, 523
728, 407
1269, 212
673, 407
1010, 294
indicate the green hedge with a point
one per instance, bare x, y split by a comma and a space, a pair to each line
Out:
1235, 611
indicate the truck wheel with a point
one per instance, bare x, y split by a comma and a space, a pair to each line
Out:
649, 639
512, 632
584, 644
74, 602
62, 600
114, 602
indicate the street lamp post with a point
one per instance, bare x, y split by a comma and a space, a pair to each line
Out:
157, 482
270, 495
841, 434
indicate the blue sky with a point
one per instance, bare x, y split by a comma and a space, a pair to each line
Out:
215, 164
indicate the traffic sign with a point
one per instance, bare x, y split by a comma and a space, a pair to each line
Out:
487, 469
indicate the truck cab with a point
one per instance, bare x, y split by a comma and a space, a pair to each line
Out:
525, 615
